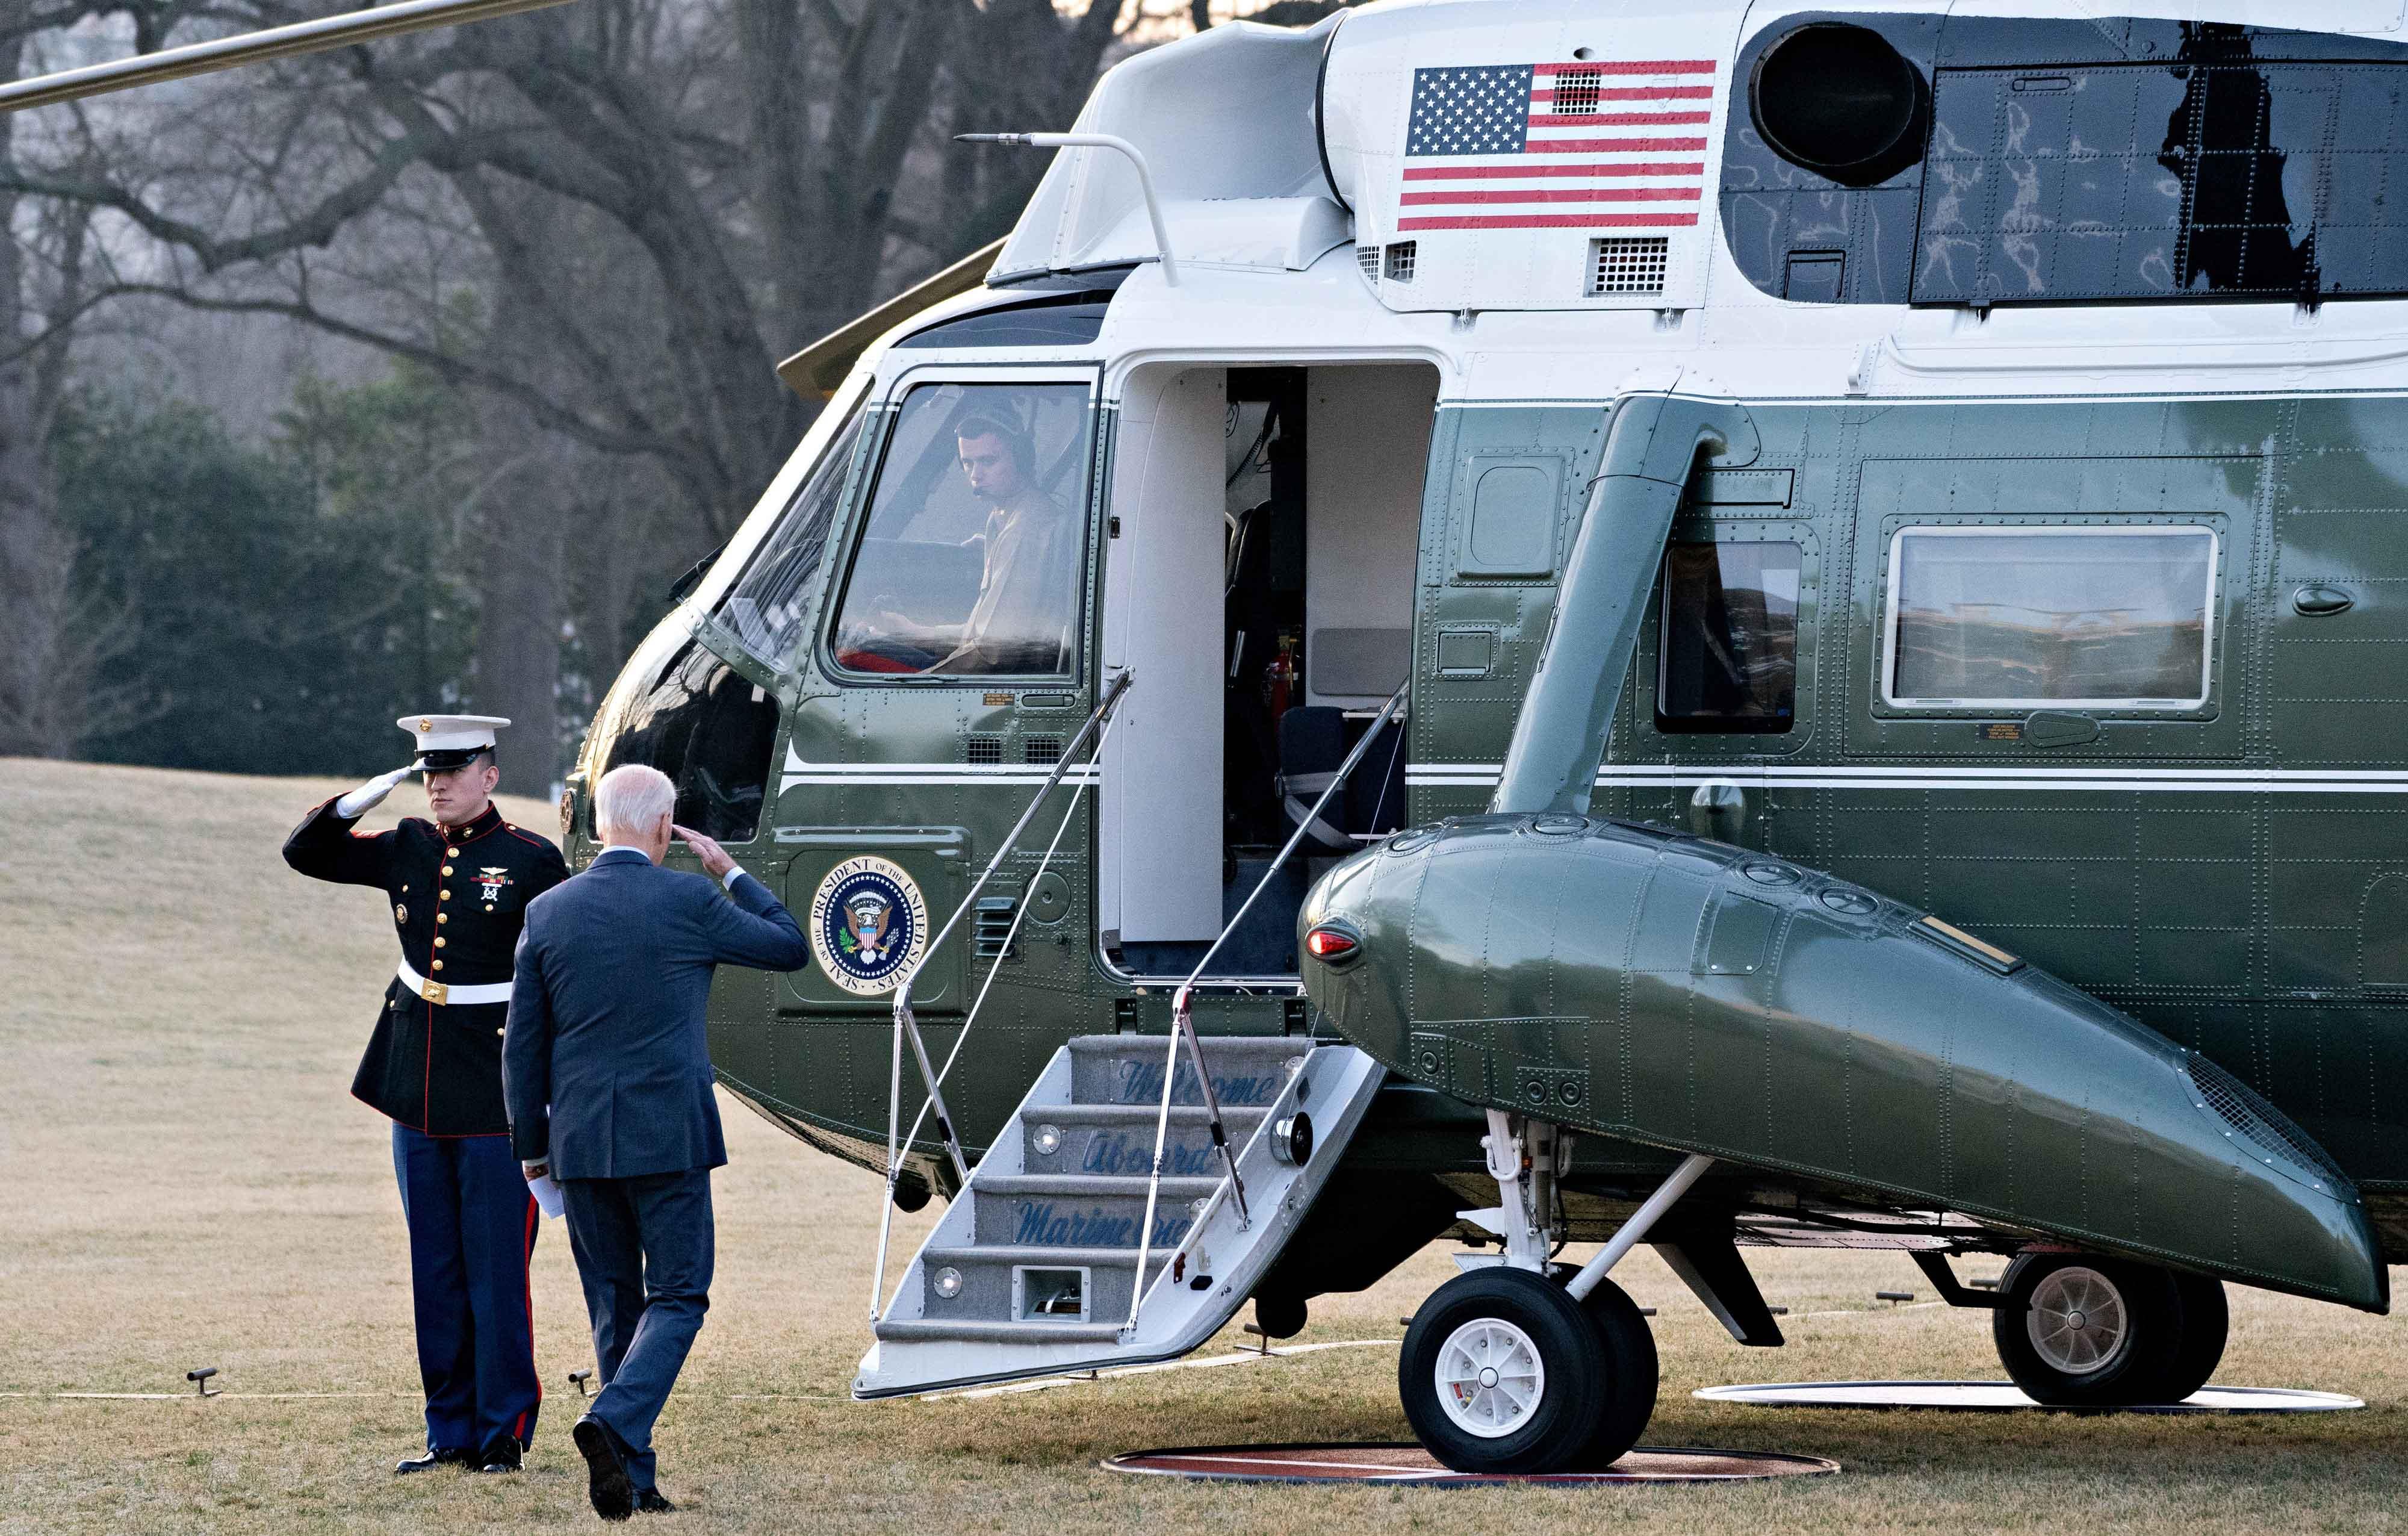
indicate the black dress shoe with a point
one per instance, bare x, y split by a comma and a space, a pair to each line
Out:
652, 1501
502, 1456
606, 1468
437, 1455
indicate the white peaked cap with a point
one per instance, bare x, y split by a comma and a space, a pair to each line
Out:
453, 732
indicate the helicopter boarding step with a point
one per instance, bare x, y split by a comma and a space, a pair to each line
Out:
1030, 1270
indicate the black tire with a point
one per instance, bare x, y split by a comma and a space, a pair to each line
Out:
2206, 1323
1502, 1315
2120, 1352
1630, 1374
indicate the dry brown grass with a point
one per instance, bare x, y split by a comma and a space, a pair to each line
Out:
187, 1183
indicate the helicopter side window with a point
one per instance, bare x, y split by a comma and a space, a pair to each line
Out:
711, 730
1728, 639
765, 607
2015, 617
971, 558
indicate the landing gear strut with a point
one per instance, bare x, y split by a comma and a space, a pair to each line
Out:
2076, 1330
1519, 1366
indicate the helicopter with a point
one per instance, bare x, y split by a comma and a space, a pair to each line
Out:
1720, 624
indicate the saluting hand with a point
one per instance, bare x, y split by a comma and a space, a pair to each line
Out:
715, 862
359, 802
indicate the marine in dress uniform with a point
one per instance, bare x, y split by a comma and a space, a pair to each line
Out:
457, 891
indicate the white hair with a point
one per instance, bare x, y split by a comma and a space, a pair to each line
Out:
631, 797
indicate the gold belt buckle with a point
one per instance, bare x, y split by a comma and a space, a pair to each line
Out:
434, 992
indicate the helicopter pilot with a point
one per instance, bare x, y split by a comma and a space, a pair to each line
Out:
458, 886
1028, 548
1031, 557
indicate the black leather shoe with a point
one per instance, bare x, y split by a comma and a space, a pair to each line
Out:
606, 1468
437, 1455
651, 1501
502, 1456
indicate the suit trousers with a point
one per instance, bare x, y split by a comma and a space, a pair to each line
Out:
472, 1227
644, 1252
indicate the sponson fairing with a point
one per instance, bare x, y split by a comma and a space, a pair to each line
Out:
1652, 985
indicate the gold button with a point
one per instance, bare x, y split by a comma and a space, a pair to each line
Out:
447, 896
447, 869
497, 1031
443, 917
438, 942
438, 965
489, 907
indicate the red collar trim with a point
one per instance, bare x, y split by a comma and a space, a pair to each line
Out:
485, 823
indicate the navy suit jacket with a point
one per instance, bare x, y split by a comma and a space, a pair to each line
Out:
606, 1064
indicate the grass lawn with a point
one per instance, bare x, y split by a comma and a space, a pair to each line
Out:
184, 1181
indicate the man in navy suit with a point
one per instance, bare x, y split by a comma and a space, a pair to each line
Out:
606, 1066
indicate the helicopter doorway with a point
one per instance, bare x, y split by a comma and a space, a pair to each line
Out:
1287, 501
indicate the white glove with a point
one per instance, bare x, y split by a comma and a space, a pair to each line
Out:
365, 798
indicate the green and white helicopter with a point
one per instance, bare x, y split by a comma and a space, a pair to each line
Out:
1705, 624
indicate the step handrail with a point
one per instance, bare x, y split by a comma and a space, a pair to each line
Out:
1140, 1292
1183, 1021
886, 1212
908, 1026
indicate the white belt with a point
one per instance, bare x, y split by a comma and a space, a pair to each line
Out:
437, 992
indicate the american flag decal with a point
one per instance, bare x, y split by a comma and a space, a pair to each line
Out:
1611, 145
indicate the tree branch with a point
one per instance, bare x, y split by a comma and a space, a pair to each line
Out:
453, 368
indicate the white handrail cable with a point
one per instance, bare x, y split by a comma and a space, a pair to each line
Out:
908, 1026
1020, 916
1182, 1023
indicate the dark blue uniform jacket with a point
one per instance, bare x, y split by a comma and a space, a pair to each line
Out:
456, 904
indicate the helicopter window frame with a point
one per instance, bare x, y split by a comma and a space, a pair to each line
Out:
854, 399
1669, 602
1700, 522
885, 406
2202, 704
854, 424
679, 653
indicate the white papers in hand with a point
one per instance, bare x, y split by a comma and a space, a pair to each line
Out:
546, 1191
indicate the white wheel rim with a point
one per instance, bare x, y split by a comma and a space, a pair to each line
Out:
1489, 1378
2078, 1322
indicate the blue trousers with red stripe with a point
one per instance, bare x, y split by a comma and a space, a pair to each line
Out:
472, 1227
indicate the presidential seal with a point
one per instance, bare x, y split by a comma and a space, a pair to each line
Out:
869, 924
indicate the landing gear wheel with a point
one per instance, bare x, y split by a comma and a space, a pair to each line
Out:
2205, 1322
1503, 1373
2076, 1331
1630, 1374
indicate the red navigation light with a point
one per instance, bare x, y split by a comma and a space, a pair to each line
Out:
1331, 944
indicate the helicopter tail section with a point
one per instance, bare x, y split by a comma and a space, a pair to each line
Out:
1030, 1270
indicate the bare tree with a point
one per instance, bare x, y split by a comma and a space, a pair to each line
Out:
610, 220
55, 636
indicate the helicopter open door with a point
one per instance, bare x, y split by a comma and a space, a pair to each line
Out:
1259, 583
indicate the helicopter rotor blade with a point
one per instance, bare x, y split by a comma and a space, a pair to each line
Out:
340, 31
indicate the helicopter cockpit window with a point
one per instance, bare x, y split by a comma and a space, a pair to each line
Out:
711, 730
765, 607
1996, 617
1728, 651
971, 556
